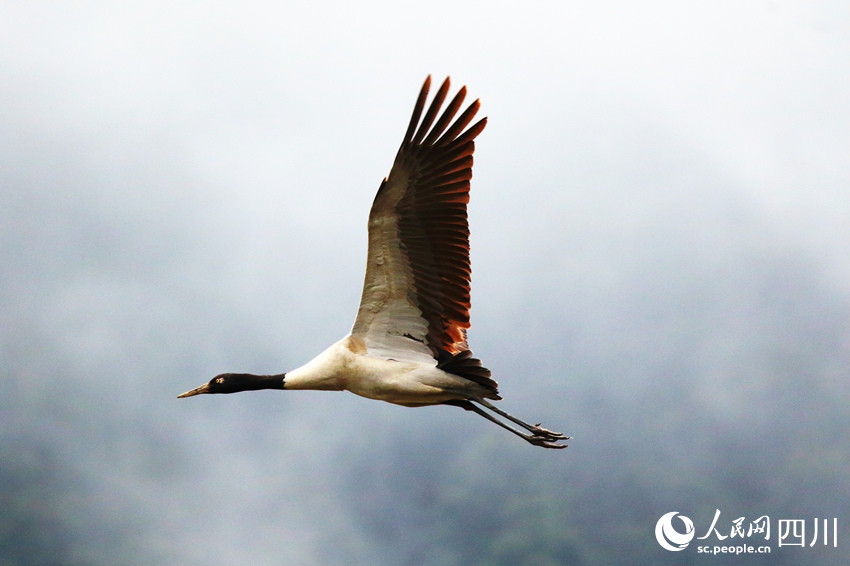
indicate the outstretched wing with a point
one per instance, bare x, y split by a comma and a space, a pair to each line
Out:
415, 303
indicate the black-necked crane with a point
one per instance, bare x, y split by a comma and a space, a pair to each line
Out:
408, 345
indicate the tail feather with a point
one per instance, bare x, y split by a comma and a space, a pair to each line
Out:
464, 365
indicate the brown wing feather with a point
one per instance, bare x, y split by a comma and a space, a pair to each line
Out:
418, 229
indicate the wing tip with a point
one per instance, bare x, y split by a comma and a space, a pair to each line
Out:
422, 133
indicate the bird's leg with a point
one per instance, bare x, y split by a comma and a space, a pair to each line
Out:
536, 439
536, 429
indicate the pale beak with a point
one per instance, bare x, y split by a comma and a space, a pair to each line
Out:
205, 388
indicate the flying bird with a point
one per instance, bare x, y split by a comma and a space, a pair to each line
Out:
408, 344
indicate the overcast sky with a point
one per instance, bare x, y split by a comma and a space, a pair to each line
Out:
185, 188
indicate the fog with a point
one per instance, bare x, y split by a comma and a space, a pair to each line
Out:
661, 269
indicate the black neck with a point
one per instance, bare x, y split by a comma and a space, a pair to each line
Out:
252, 382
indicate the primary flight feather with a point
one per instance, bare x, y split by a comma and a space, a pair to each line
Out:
408, 344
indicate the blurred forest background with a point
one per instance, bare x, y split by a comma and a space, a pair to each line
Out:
661, 251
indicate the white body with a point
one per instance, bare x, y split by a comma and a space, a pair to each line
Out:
346, 366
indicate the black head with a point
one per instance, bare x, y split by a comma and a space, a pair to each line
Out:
235, 382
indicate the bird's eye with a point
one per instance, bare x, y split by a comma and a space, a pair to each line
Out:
219, 380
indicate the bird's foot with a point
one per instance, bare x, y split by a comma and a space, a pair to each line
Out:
546, 434
547, 441
546, 438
